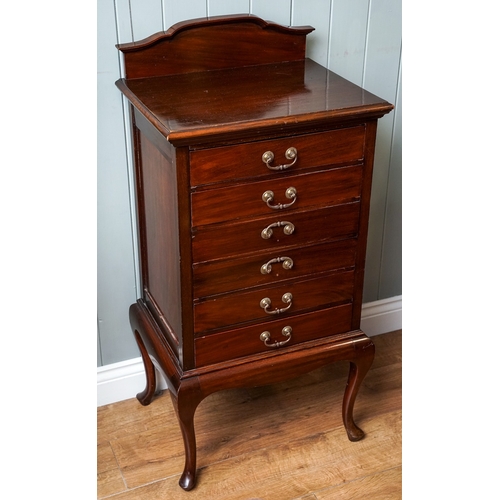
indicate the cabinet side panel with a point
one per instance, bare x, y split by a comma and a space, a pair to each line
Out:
371, 132
160, 236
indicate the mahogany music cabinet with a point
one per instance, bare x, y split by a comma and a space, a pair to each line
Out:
253, 169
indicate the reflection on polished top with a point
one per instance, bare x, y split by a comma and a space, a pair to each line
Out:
194, 105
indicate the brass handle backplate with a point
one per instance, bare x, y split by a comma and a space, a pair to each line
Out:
265, 303
267, 267
290, 193
287, 332
288, 228
290, 154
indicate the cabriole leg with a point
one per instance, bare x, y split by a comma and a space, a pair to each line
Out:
185, 406
357, 370
146, 396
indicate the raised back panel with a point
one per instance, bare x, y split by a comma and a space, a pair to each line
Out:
214, 43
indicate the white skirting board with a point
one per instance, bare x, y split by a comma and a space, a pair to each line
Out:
125, 379
382, 316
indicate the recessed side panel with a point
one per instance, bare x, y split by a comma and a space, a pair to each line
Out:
160, 240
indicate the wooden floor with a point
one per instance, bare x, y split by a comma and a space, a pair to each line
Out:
280, 442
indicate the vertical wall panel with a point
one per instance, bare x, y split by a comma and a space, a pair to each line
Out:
99, 356
349, 24
277, 11
123, 21
175, 11
147, 17
383, 49
223, 7
115, 254
391, 266
315, 13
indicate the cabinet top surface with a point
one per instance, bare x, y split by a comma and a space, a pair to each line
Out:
196, 105
190, 105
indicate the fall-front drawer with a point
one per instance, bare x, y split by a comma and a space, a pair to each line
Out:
293, 153
275, 233
267, 303
283, 195
271, 335
271, 267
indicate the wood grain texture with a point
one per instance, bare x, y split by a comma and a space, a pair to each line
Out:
173, 80
323, 188
252, 101
323, 290
371, 131
232, 344
223, 276
160, 248
242, 161
184, 48
245, 457
384, 485
241, 238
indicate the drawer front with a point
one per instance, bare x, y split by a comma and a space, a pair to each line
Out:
289, 299
244, 161
240, 342
227, 275
269, 233
238, 201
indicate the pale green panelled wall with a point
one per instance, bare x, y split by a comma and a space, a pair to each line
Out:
359, 39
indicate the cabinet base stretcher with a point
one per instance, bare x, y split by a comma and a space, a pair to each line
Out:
188, 389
